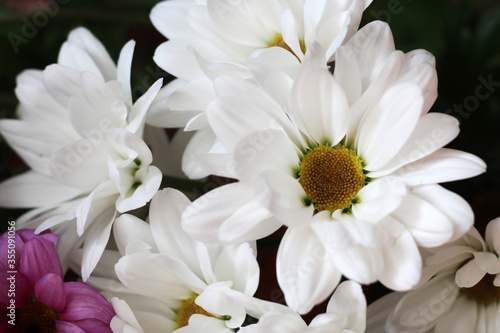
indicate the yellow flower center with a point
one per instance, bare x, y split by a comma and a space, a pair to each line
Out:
484, 291
331, 177
36, 317
189, 308
278, 41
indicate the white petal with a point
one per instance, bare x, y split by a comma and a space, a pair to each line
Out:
493, 235
433, 131
232, 119
450, 204
132, 235
165, 219
469, 275
145, 275
239, 265
290, 32
138, 113
150, 180
124, 318
177, 57
379, 198
32, 189
74, 56
305, 272
195, 163
344, 231
321, 105
80, 164
283, 196
204, 217
460, 319
359, 263
349, 301
159, 114
92, 46
402, 264
387, 126
488, 262
442, 166
377, 312
262, 151
62, 83
95, 241
422, 308
182, 272
429, 226
192, 96
125, 66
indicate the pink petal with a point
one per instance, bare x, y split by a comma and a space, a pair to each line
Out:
49, 290
65, 327
86, 307
40, 257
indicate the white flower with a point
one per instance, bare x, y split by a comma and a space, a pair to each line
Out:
81, 134
172, 282
214, 37
348, 162
459, 290
345, 313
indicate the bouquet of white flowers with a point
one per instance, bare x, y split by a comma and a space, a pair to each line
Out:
310, 130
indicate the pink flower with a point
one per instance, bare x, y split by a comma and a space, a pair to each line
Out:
34, 284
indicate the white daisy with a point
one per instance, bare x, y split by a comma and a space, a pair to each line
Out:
213, 37
346, 312
165, 281
459, 290
81, 134
339, 162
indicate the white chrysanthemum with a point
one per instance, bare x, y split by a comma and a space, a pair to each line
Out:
81, 134
166, 280
459, 290
214, 37
348, 162
346, 312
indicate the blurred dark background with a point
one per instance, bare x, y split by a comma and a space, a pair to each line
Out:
464, 36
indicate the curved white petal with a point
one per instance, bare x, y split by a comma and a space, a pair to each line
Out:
402, 264
433, 131
227, 204
320, 104
469, 275
93, 47
493, 235
165, 213
387, 126
304, 269
284, 197
442, 166
263, 151
124, 67
32, 189
132, 235
378, 199
95, 241
239, 265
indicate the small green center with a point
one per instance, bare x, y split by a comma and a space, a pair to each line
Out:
484, 291
331, 177
189, 308
36, 317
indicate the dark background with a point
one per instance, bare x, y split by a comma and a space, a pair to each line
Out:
463, 35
